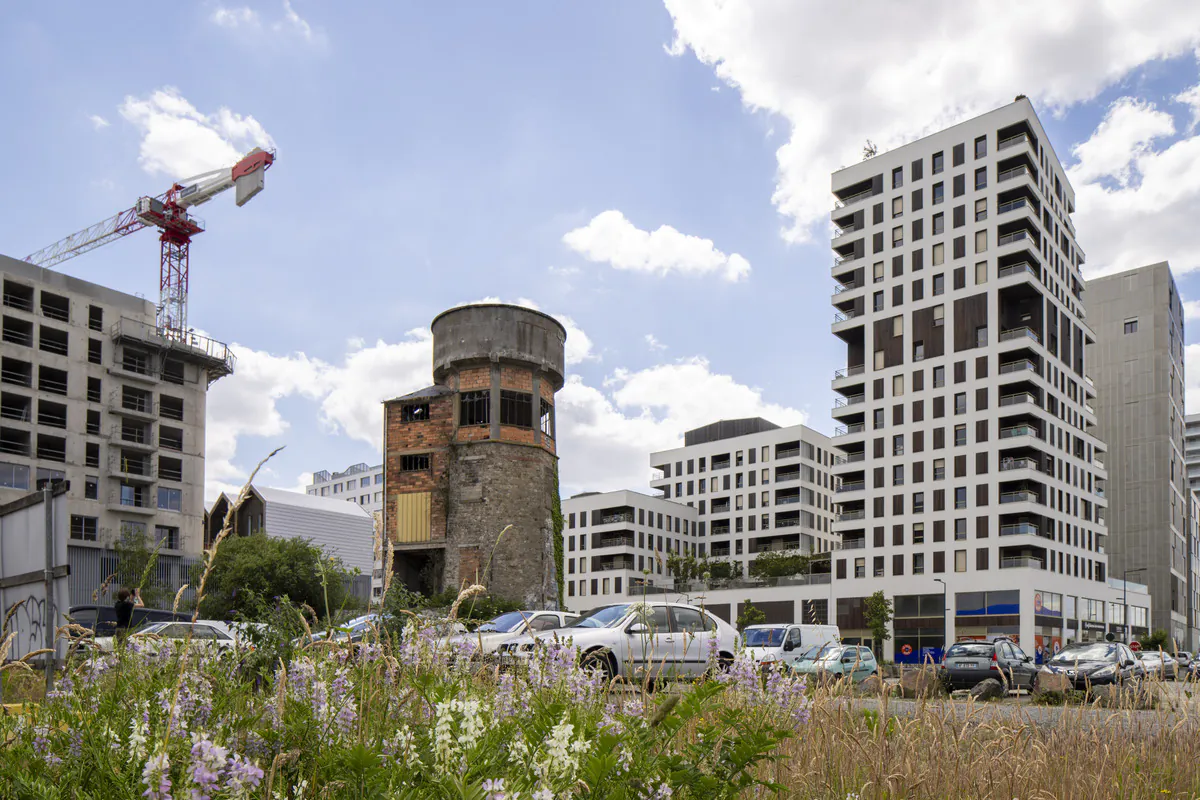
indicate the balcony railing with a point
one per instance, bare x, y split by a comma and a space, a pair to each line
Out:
849, 372
850, 516
1017, 269
841, 261
842, 230
612, 519
839, 316
852, 486
1010, 464
787, 477
1019, 333
791, 452
851, 400
850, 458
788, 522
1012, 205
1023, 496
854, 544
847, 430
1009, 174
1018, 366
1027, 528
845, 287
1019, 430
1017, 399
852, 199
1022, 561
1015, 236
1014, 141
787, 500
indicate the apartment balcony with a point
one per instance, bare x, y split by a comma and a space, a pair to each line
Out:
603, 540
1021, 270
787, 497
851, 196
215, 358
848, 401
139, 439
615, 516
850, 516
1022, 562
1020, 529
133, 469
612, 563
1019, 399
140, 370
775, 544
849, 458
1021, 140
787, 474
720, 507
848, 290
1020, 464
847, 226
1020, 432
845, 320
848, 487
787, 519
1023, 335
849, 372
1020, 496
132, 407
854, 544
787, 450
850, 430
126, 503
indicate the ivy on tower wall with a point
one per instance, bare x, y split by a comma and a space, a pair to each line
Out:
557, 517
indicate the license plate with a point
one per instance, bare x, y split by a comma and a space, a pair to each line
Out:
969, 664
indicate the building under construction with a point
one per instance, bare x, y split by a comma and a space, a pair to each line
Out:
475, 453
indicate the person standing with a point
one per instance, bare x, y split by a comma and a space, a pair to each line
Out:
123, 608
136, 597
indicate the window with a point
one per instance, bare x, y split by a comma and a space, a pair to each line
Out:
91, 488
981, 178
939, 163
516, 408
84, 528
474, 408
981, 147
414, 412
898, 445
1131, 326
939, 257
418, 462
960, 560
860, 568
960, 530
918, 529
981, 336
918, 351
379, 479
897, 236
939, 469
93, 390
897, 177
960, 403
981, 273
898, 325
981, 241
939, 193
877, 301
960, 500
91, 456
170, 499
877, 272
546, 418
939, 316
897, 207
897, 385
879, 356
939, 283
918, 506
877, 418
168, 536
96, 318
93, 422
898, 474
981, 209
960, 435
939, 377
918, 563
95, 351
939, 224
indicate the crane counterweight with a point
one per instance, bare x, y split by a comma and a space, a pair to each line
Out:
169, 213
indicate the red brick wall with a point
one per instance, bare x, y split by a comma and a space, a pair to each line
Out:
473, 379
401, 438
517, 378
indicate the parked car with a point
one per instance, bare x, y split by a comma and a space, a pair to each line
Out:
1185, 660
970, 661
840, 660
775, 644
636, 639
1095, 664
506, 627
102, 620
1159, 664
205, 633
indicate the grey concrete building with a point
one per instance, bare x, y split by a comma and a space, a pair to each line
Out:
1137, 363
92, 392
1191, 450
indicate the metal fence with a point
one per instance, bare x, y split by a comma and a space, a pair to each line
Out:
95, 579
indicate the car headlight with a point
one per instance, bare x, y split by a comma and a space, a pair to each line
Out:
1105, 672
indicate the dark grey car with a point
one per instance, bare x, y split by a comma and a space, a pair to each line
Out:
969, 662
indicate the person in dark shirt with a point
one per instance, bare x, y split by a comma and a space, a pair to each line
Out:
124, 610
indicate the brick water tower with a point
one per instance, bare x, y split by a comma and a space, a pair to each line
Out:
475, 453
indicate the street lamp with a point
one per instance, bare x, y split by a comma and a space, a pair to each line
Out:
1125, 599
945, 625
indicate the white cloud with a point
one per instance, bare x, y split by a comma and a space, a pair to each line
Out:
294, 22
607, 433
611, 238
1137, 191
1191, 310
1191, 99
235, 17
1191, 371
653, 343
179, 141
98, 122
916, 67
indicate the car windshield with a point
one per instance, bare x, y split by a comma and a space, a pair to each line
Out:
603, 617
764, 637
1149, 656
505, 623
152, 628
830, 652
1089, 652
971, 650
810, 653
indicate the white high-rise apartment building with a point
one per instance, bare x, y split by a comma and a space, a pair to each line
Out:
756, 487
361, 484
968, 462
616, 542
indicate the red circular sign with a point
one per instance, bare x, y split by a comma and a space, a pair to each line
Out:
1135, 646
906, 649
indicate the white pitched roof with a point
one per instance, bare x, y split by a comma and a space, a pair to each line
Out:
315, 502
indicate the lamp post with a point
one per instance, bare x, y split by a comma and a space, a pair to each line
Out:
945, 625
1125, 599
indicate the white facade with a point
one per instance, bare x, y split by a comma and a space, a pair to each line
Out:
616, 542
756, 487
360, 484
1191, 450
967, 456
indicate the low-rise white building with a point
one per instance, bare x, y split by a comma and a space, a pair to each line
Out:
360, 484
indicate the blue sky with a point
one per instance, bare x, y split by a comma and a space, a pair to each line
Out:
435, 154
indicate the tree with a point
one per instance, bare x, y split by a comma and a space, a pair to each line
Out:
878, 614
751, 615
1159, 640
780, 563
251, 569
870, 150
136, 562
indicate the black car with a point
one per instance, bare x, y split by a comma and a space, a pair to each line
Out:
102, 620
970, 661
1096, 664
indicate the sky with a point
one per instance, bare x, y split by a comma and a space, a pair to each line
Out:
656, 176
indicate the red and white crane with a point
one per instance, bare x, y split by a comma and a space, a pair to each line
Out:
169, 213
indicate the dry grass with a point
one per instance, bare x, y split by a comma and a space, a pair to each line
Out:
884, 748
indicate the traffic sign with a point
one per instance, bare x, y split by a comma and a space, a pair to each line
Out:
906, 649
1135, 645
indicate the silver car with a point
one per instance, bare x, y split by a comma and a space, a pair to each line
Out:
488, 637
637, 640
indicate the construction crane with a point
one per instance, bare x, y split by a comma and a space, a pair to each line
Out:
169, 213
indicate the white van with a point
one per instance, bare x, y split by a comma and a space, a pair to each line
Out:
767, 644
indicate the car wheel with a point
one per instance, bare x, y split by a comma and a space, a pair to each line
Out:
600, 662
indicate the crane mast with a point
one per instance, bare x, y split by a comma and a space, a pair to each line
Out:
169, 213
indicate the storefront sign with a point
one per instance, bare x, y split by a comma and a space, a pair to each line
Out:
1092, 625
